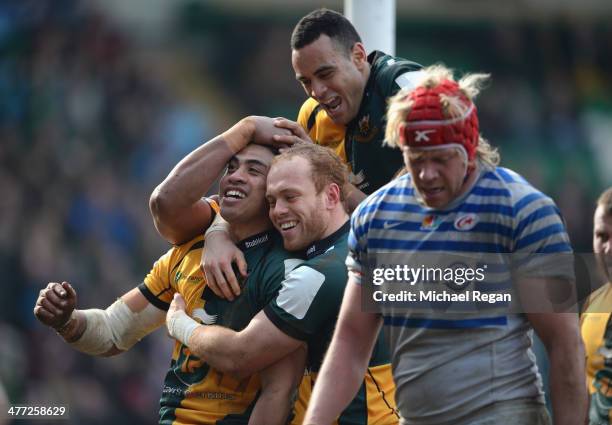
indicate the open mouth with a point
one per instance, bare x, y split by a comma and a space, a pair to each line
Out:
432, 191
288, 225
333, 105
234, 194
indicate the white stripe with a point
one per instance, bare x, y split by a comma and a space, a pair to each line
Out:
409, 79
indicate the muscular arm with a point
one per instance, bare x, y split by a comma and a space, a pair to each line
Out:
346, 360
94, 331
278, 389
560, 334
179, 213
242, 353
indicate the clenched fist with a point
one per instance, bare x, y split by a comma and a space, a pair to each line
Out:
55, 304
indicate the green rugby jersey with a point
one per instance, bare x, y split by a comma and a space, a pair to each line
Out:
193, 391
360, 142
307, 308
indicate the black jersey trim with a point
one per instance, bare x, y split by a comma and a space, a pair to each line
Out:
319, 247
152, 298
284, 326
312, 118
255, 240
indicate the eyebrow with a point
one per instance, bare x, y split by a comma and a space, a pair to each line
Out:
320, 70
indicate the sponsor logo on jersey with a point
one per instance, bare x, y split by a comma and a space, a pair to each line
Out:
257, 241
182, 276
466, 222
366, 133
431, 222
391, 224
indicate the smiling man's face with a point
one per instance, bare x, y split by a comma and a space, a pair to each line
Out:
333, 77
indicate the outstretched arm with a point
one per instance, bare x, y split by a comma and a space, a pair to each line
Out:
346, 359
94, 331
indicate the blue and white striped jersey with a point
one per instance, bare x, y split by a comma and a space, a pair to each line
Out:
448, 367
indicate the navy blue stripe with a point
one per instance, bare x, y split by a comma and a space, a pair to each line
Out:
508, 177
526, 200
449, 246
445, 324
546, 232
409, 191
489, 191
413, 226
538, 214
390, 206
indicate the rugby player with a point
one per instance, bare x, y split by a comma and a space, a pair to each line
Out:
459, 369
307, 207
194, 391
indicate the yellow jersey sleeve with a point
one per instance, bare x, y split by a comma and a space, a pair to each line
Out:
321, 129
161, 282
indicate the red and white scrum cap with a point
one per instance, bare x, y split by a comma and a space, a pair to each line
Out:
427, 127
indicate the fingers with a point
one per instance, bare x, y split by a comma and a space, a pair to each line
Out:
295, 128
51, 307
230, 280
241, 263
48, 296
71, 293
43, 315
220, 286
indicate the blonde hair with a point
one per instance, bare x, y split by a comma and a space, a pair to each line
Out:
605, 201
452, 106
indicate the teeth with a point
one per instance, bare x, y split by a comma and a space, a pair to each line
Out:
288, 225
333, 104
235, 194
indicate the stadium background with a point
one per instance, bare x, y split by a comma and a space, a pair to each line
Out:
100, 99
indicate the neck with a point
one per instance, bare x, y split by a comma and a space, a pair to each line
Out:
336, 219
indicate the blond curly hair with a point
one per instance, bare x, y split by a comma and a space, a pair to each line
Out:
452, 106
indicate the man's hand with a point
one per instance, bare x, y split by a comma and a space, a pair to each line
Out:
266, 132
298, 133
55, 304
217, 259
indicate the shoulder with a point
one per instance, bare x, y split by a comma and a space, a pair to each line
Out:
306, 110
394, 73
521, 196
396, 194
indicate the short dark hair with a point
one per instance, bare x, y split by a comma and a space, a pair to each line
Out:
328, 22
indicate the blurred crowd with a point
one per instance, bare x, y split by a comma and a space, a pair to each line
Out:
87, 130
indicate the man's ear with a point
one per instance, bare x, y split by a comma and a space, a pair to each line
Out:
359, 55
332, 195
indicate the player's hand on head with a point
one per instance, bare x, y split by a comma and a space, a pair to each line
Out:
267, 133
217, 258
55, 304
298, 133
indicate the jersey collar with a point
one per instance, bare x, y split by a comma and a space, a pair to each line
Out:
253, 241
319, 247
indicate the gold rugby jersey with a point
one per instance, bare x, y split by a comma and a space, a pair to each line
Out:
193, 391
